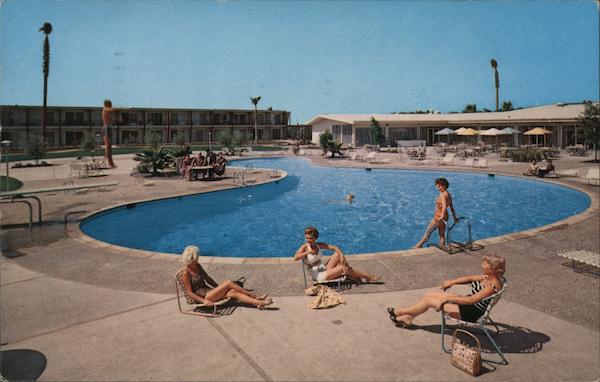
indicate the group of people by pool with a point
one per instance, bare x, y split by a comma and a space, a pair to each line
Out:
201, 288
534, 169
215, 165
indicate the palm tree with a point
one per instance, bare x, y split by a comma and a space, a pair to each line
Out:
507, 106
47, 29
497, 79
254, 101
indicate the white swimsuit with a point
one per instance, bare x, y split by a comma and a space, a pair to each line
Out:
314, 262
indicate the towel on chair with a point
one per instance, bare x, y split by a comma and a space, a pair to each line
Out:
326, 297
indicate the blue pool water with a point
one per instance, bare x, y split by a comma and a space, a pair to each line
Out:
391, 211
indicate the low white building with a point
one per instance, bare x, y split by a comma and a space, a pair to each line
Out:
353, 129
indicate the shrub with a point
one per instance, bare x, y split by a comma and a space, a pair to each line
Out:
36, 148
526, 155
88, 142
155, 160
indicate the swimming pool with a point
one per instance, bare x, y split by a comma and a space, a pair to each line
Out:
392, 209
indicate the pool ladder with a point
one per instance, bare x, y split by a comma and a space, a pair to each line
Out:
456, 246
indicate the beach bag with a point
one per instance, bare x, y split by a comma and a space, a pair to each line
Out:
465, 357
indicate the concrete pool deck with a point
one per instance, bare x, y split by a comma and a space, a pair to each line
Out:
96, 313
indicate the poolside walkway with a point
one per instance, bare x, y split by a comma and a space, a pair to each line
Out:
75, 311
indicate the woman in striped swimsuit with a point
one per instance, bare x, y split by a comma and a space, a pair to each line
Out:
466, 308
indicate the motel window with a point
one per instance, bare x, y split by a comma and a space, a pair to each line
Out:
73, 118
155, 118
203, 119
174, 118
6, 117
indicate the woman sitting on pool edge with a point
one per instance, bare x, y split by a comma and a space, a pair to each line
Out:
335, 267
196, 283
467, 308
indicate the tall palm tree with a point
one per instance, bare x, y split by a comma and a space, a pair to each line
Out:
254, 101
494, 64
47, 29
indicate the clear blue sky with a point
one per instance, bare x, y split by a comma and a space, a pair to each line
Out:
307, 57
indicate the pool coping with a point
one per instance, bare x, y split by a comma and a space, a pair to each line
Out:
75, 233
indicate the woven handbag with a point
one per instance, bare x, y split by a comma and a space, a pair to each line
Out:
465, 357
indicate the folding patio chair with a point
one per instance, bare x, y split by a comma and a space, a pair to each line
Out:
481, 323
339, 280
193, 307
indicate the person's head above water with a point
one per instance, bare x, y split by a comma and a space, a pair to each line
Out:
350, 198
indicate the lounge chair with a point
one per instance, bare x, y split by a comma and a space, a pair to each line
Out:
481, 163
192, 307
593, 176
305, 270
481, 323
581, 256
370, 158
448, 159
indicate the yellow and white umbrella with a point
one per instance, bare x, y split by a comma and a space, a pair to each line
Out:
467, 131
537, 132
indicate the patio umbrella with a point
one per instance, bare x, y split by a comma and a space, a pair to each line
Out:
493, 132
537, 132
467, 132
510, 130
447, 131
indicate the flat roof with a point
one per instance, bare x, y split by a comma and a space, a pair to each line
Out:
538, 113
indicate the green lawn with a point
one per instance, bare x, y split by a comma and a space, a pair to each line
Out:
9, 184
116, 150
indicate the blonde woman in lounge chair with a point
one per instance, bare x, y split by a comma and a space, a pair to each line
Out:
204, 290
440, 218
337, 265
467, 308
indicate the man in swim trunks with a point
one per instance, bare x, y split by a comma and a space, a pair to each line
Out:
108, 115
440, 218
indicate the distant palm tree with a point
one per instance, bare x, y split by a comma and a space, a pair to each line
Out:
470, 108
47, 29
496, 78
254, 101
507, 106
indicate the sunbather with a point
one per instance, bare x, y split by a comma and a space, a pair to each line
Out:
532, 169
199, 161
440, 218
337, 265
220, 164
466, 308
542, 172
186, 163
203, 289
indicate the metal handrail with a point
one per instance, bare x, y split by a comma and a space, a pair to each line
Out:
469, 243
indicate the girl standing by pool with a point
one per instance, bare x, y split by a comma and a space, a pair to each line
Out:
327, 270
440, 218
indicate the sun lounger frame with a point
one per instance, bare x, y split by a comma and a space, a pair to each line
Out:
581, 256
19, 195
